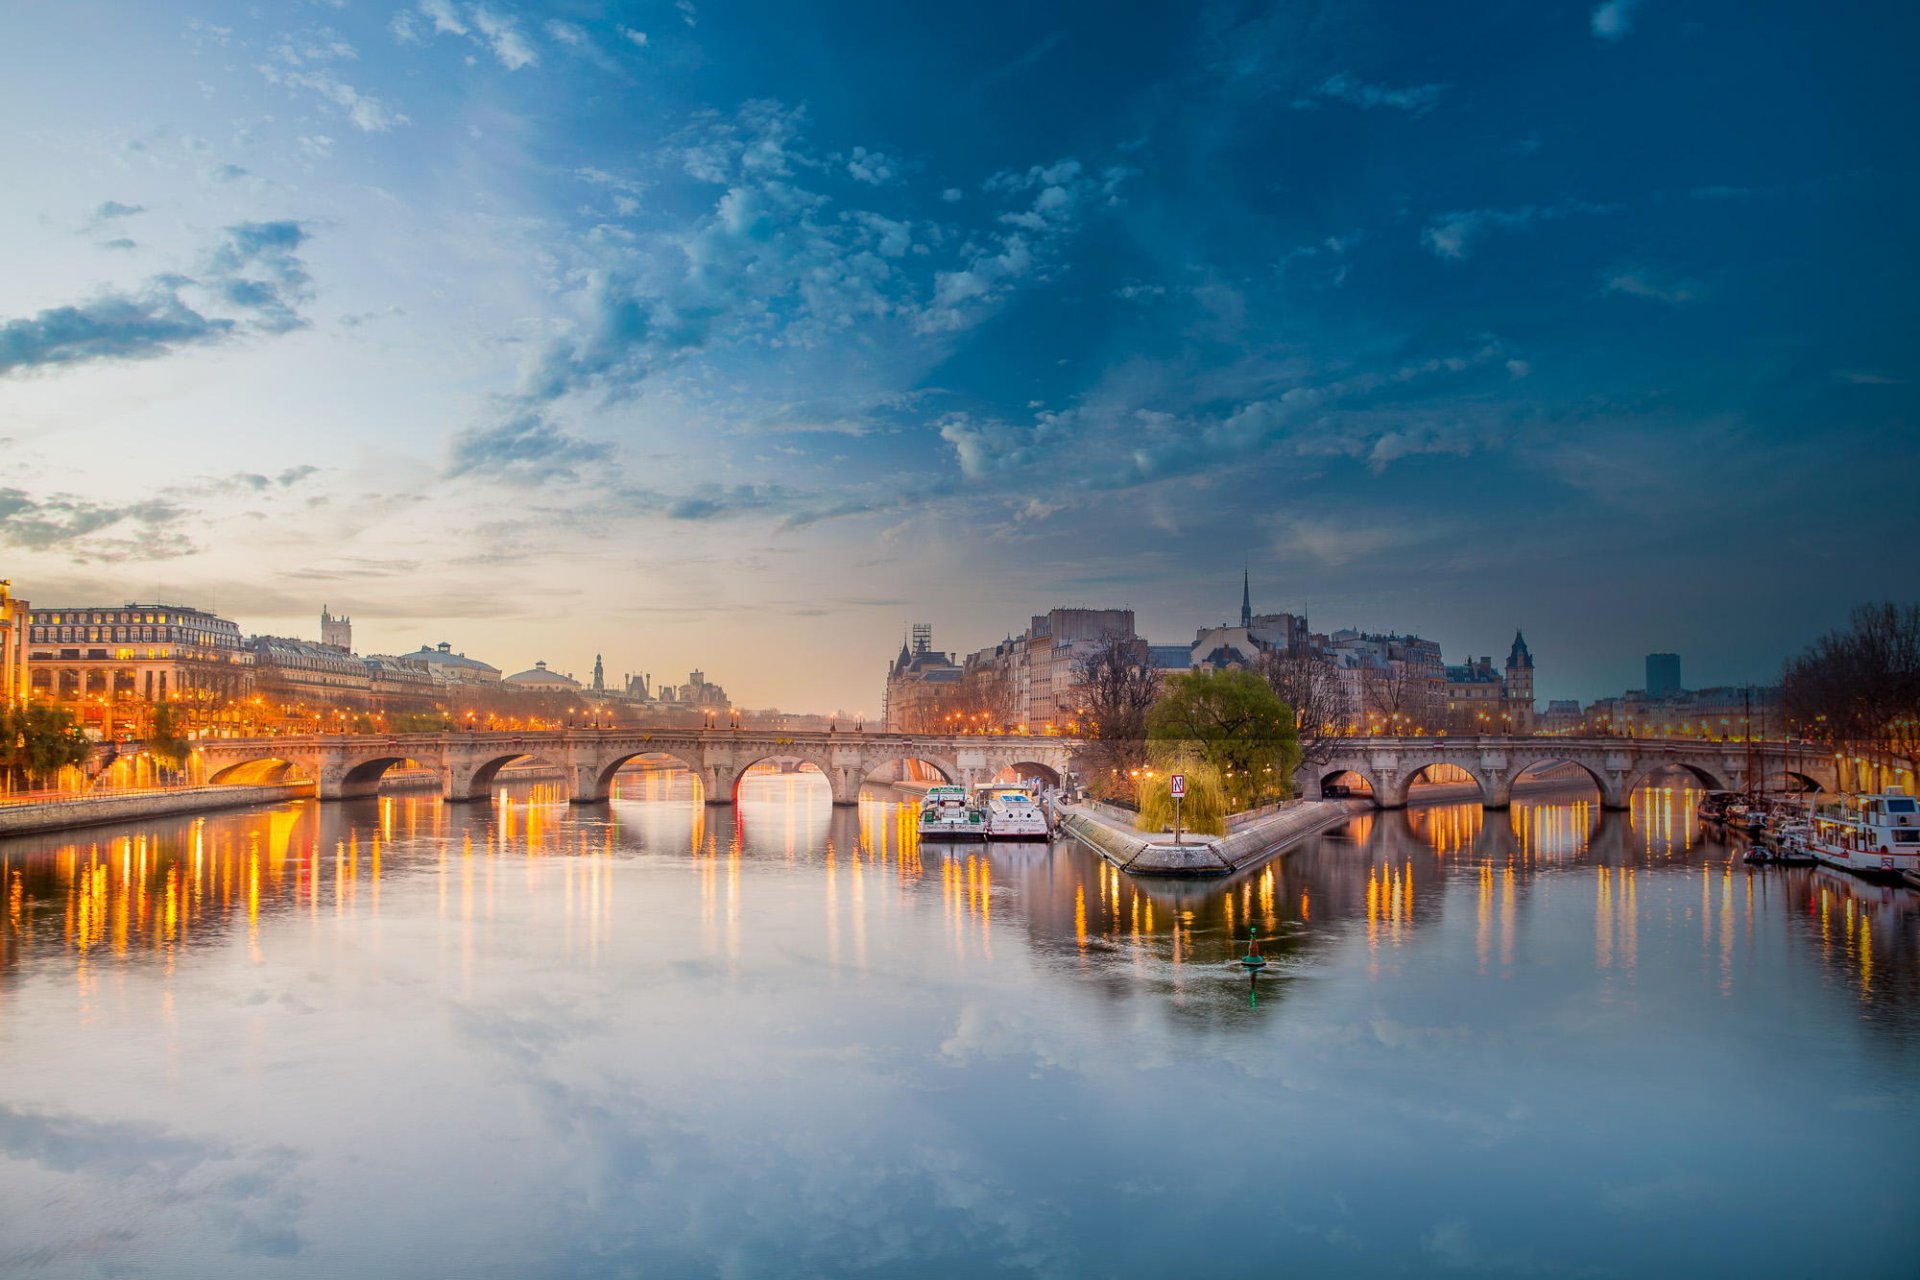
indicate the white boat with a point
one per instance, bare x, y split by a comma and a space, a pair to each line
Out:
946, 815
1013, 812
1871, 835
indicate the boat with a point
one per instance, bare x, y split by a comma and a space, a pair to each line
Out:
946, 815
1875, 835
1012, 812
1713, 806
1793, 844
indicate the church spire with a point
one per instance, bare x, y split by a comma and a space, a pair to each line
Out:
1246, 598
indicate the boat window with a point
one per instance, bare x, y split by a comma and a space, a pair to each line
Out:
1900, 806
1907, 836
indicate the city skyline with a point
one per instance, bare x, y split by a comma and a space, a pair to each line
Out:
698, 334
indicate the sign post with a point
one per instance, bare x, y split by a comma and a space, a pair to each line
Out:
1177, 788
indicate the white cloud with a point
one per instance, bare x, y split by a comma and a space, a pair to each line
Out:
951, 195
1452, 235
637, 38
502, 34
687, 13
1614, 19
368, 113
1868, 378
1342, 87
1640, 283
872, 167
444, 17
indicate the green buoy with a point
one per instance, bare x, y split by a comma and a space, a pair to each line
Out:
1253, 959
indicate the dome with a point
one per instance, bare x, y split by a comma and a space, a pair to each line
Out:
538, 677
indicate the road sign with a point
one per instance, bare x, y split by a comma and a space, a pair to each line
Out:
1177, 784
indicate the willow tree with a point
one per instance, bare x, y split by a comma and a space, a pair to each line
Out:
1203, 810
1233, 722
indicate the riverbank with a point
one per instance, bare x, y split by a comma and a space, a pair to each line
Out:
1267, 836
95, 811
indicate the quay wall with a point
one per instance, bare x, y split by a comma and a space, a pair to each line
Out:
1265, 835
94, 811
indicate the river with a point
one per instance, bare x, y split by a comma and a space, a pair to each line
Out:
398, 1038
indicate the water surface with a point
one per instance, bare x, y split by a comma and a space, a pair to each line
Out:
400, 1038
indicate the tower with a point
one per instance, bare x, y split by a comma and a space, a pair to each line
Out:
1518, 688
336, 633
1246, 598
599, 675
1663, 675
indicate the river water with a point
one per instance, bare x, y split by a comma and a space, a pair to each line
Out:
397, 1038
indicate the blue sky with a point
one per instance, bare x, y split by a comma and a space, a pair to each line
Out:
739, 335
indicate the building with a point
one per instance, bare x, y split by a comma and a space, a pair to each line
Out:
1563, 717
1480, 699
452, 668
402, 686
14, 623
1663, 675
696, 692
299, 674
1030, 682
922, 684
537, 679
98, 656
336, 633
1395, 683
1223, 647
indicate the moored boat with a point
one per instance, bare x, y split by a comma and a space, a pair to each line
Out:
1713, 806
1012, 812
946, 815
1875, 835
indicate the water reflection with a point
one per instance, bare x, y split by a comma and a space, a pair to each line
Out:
720, 986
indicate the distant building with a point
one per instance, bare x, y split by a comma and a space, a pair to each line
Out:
454, 668
1030, 679
1563, 716
399, 685
290, 672
13, 646
1396, 683
599, 675
696, 692
921, 685
1482, 700
537, 679
1222, 647
336, 633
1663, 675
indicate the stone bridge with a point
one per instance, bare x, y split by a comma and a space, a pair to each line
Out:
352, 765
1618, 766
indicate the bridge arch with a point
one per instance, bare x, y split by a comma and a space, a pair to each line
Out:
475, 780
603, 775
948, 770
1344, 777
1530, 768
835, 776
1790, 780
264, 771
1021, 770
1701, 774
1400, 790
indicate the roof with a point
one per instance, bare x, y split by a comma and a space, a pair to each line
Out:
447, 658
1169, 657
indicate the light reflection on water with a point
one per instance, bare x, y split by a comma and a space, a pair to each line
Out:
407, 1038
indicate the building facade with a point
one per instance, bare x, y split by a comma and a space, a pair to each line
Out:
100, 658
14, 624
1480, 699
1663, 675
293, 674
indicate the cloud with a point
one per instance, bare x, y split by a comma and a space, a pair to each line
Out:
114, 209
687, 12
525, 448
872, 167
1452, 235
1614, 19
368, 114
1640, 283
253, 271
501, 34
638, 39
147, 530
1342, 87
1868, 378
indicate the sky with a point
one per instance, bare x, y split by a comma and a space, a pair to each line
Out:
740, 335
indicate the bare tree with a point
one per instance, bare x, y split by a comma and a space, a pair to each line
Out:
1311, 685
1117, 687
1861, 685
1395, 693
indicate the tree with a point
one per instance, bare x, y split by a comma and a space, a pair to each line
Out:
1233, 721
168, 744
1203, 810
1117, 688
1860, 686
36, 742
1312, 686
